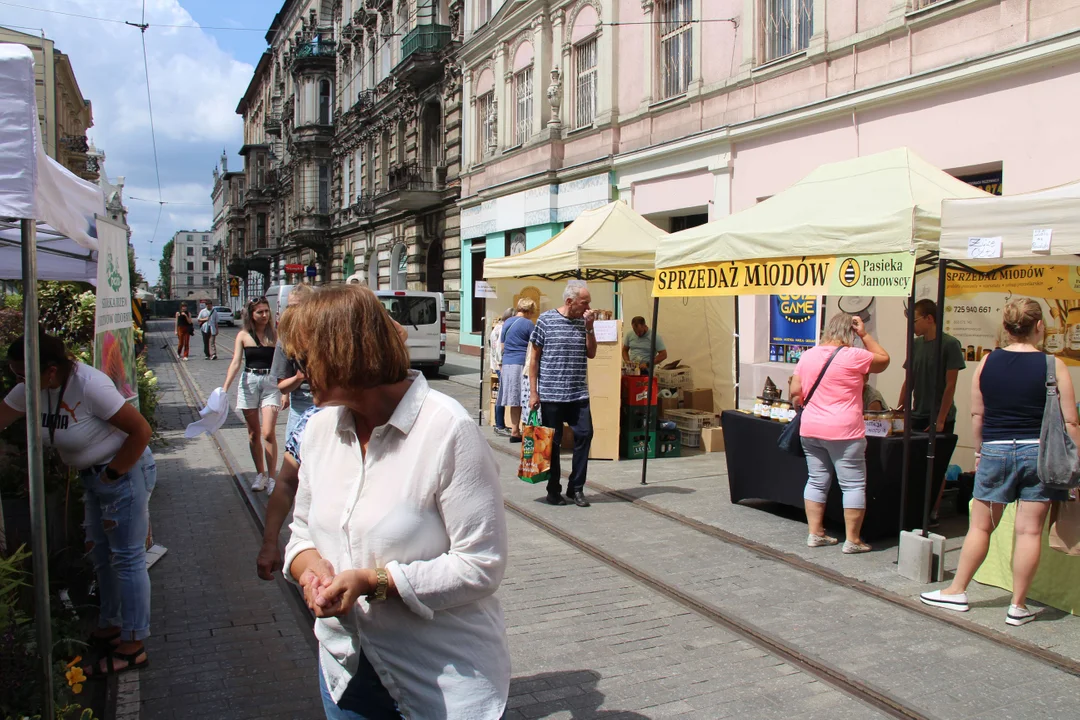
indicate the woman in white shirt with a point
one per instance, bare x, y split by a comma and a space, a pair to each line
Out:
398, 535
103, 437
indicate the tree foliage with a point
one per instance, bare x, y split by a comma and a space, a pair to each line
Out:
165, 270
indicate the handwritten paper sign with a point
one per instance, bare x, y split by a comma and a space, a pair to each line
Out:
984, 247
485, 290
606, 330
1040, 240
877, 428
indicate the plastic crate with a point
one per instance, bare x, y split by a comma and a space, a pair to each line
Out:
636, 417
633, 445
681, 378
668, 444
690, 439
635, 390
691, 421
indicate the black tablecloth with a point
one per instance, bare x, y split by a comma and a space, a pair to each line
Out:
758, 469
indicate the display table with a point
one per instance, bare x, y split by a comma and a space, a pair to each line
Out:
1056, 583
758, 469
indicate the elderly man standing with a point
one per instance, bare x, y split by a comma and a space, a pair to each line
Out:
638, 345
563, 342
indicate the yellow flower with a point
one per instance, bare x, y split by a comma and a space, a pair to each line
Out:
75, 676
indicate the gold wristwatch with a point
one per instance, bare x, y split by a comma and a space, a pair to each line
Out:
383, 582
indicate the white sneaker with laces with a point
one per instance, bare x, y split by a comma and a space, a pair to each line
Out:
260, 482
958, 602
1020, 615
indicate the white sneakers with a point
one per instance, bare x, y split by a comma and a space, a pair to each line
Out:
820, 540
1019, 615
958, 602
260, 482
851, 548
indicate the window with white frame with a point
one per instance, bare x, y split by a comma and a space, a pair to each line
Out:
523, 105
675, 20
485, 124
483, 12
585, 83
786, 27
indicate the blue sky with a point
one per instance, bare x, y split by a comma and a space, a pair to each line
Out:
197, 76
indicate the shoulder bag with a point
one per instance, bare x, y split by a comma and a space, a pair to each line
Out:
790, 440
1059, 465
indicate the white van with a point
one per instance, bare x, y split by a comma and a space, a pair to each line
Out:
278, 297
424, 316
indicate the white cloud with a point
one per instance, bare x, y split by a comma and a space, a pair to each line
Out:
195, 86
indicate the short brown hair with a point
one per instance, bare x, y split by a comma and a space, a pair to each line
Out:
927, 308
344, 338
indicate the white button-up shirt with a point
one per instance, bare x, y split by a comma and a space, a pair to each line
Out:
424, 502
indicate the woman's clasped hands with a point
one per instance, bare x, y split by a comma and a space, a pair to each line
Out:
332, 595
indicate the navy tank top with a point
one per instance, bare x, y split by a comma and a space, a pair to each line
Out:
1013, 386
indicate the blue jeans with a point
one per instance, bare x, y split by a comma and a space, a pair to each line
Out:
847, 458
365, 698
116, 521
1009, 472
298, 403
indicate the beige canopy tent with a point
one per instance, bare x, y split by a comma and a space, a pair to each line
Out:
608, 243
889, 202
1014, 219
855, 227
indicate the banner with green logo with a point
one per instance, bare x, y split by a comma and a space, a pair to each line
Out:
114, 339
888, 275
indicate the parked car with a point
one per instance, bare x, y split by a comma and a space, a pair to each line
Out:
224, 316
424, 316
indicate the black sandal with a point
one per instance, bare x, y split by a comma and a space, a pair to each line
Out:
103, 643
130, 658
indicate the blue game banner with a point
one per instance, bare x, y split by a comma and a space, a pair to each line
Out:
792, 326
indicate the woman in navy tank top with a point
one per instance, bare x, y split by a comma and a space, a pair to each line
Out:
1008, 394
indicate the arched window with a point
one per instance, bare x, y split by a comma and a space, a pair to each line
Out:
522, 89
399, 267
373, 270
325, 93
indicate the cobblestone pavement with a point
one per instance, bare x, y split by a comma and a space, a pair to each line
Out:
588, 641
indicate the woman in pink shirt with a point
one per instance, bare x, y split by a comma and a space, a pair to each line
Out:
832, 429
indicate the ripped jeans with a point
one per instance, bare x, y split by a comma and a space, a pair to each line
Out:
116, 522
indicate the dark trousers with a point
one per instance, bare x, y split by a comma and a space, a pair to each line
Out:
500, 410
579, 417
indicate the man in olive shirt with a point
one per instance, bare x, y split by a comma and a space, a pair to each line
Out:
925, 379
638, 345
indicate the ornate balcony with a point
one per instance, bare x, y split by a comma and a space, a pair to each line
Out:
272, 125
364, 207
412, 187
365, 102
420, 49
315, 54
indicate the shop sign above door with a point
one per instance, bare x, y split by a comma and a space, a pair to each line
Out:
885, 275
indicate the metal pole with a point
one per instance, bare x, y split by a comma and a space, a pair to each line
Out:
738, 353
909, 381
650, 412
938, 389
38, 543
483, 346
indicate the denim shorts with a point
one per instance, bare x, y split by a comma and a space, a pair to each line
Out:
1008, 472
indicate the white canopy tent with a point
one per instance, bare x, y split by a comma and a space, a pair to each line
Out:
34, 189
1014, 218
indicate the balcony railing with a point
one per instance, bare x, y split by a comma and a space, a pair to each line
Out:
316, 48
365, 101
427, 38
364, 205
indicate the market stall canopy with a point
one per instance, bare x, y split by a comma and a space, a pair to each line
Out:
1014, 219
33, 185
608, 243
884, 203
58, 257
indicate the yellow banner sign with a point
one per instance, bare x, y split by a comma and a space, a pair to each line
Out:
887, 275
1061, 282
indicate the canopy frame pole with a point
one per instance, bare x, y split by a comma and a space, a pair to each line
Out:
939, 348
738, 355
483, 346
35, 464
909, 380
650, 411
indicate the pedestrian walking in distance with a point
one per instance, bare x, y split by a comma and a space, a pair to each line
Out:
516, 332
1008, 396
208, 327
105, 439
184, 328
563, 342
257, 395
832, 429
495, 363
398, 535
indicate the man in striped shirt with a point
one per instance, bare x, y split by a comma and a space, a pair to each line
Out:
563, 343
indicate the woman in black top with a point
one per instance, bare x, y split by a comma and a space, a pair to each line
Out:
1008, 395
184, 327
257, 396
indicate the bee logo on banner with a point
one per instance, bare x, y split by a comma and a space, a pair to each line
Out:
884, 275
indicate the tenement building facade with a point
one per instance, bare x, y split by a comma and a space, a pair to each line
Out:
352, 137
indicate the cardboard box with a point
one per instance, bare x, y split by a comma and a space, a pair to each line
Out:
712, 439
698, 399
666, 404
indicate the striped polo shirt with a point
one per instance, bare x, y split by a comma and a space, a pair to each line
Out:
563, 360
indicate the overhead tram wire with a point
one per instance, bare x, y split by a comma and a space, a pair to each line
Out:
142, 25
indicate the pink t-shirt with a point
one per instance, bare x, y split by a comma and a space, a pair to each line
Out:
835, 411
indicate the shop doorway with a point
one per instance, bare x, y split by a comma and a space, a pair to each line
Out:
434, 269
478, 255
